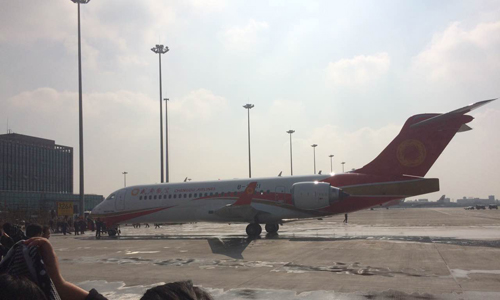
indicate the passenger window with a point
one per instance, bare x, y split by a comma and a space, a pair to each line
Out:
169, 196
150, 197
185, 195
140, 197
155, 197
175, 196
190, 195
211, 194
206, 194
195, 195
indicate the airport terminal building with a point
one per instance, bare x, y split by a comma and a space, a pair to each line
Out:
35, 164
36, 174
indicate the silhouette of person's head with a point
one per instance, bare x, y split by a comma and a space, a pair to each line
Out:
182, 290
34, 230
46, 232
20, 288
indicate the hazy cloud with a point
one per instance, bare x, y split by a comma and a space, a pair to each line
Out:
359, 70
461, 55
199, 104
246, 38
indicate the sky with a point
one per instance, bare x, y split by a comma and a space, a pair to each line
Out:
343, 74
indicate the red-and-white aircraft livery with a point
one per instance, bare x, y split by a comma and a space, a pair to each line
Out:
397, 172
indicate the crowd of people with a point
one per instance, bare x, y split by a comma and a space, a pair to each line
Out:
29, 267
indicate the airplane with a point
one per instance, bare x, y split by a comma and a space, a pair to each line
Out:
397, 172
439, 203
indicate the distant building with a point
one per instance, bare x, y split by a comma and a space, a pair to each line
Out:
423, 200
35, 175
34, 164
474, 201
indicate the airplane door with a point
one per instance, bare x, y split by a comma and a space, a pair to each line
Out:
120, 200
280, 194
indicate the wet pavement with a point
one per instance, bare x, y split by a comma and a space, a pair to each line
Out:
438, 253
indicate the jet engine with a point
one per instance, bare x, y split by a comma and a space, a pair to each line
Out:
315, 195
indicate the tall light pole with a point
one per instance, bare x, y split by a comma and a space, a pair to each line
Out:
331, 164
166, 139
248, 107
160, 49
343, 163
314, 153
291, 161
125, 179
80, 107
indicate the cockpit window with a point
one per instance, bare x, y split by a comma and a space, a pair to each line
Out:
111, 197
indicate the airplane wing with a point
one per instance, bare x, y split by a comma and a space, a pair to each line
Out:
242, 208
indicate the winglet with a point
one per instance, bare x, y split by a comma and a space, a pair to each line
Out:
246, 197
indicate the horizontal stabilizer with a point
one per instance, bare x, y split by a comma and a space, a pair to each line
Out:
464, 127
401, 189
452, 114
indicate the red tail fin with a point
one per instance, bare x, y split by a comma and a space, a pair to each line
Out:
420, 142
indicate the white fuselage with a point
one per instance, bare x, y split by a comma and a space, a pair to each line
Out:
197, 201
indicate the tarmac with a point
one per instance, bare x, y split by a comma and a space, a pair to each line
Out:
415, 253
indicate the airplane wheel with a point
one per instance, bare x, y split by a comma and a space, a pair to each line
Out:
272, 228
254, 229
112, 232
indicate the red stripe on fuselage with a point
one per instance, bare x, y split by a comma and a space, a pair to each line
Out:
115, 219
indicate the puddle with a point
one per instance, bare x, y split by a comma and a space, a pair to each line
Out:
458, 273
141, 252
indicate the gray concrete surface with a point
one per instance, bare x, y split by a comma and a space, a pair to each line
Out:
438, 253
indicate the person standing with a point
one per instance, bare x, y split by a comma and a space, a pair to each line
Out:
76, 224
98, 229
82, 224
64, 226
345, 219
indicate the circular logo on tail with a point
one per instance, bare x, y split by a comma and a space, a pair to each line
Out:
411, 153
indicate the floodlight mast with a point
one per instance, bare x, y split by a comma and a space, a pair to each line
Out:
80, 111
248, 107
331, 162
314, 154
166, 139
291, 161
160, 49
124, 179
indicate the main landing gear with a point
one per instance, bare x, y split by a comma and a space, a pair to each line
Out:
254, 229
112, 232
272, 228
